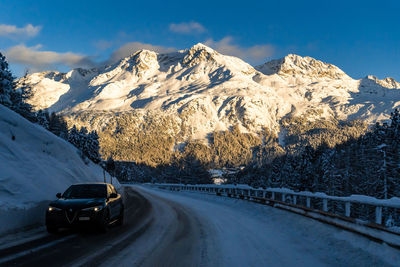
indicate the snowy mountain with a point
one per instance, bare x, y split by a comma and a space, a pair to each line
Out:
35, 165
302, 66
205, 91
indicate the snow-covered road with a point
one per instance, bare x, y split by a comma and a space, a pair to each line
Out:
193, 229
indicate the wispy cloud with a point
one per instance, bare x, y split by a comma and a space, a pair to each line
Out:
103, 44
191, 27
37, 59
13, 32
130, 48
256, 53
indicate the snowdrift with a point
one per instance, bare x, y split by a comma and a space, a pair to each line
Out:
35, 165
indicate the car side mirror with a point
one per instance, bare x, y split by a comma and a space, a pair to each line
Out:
58, 195
113, 195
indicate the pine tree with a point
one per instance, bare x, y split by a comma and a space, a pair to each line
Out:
43, 118
86, 142
93, 147
58, 126
6, 83
19, 100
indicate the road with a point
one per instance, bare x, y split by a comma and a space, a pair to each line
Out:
191, 229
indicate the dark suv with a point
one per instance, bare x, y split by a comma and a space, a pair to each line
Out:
96, 204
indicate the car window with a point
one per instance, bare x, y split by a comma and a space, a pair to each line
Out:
86, 191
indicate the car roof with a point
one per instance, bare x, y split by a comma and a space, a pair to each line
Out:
95, 183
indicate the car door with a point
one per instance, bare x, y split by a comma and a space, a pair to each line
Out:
114, 209
110, 202
117, 201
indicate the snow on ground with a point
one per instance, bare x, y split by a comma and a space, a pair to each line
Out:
241, 233
33, 168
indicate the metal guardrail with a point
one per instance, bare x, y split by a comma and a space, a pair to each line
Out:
361, 210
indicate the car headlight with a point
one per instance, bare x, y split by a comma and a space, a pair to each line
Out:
51, 208
96, 208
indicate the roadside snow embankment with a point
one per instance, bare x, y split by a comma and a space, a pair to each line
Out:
35, 165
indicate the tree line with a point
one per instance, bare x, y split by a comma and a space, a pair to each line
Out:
367, 165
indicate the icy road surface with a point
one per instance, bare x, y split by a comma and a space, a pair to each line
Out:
193, 229
166, 228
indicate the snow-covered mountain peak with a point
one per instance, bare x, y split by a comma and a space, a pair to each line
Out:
387, 82
199, 53
139, 65
139, 61
295, 65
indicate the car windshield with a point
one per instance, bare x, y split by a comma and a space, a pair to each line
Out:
86, 191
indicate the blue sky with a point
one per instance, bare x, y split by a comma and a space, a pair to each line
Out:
360, 37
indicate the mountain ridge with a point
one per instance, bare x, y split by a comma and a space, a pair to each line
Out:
209, 91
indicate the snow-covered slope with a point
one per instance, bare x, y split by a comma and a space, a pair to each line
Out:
215, 91
33, 168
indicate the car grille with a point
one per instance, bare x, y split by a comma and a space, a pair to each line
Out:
71, 215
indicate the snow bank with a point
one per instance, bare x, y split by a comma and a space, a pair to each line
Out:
35, 165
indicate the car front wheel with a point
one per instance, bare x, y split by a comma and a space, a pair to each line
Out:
51, 229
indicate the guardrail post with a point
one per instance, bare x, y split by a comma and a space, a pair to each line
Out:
325, 205
308, 200
347, 206
295, 200
264, 194
273, 195
378, 215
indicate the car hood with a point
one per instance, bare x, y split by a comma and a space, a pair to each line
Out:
64, 203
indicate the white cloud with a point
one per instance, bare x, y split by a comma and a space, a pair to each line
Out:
130, 48
191, 27
256, 53
13, 32
36, 59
